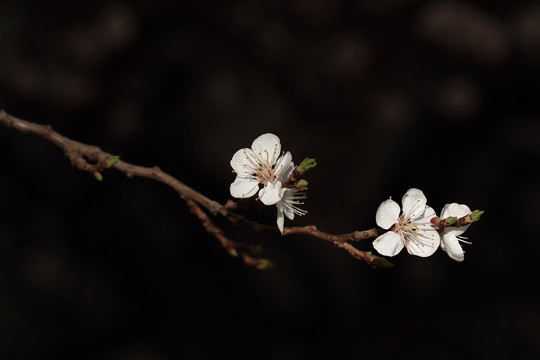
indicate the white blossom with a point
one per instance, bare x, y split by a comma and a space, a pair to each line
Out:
288, 206
412, 229
261, 164
451, 236
290, 199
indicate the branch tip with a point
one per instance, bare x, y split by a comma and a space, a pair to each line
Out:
264, 264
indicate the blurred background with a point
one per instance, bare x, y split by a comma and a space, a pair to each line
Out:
386, 94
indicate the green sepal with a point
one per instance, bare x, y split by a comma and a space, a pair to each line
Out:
306, 164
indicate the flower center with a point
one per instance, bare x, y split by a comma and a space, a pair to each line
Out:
403, 225
265, 173
413, 232
406, 229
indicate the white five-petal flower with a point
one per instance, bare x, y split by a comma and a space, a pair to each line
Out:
262, 164
451, 235
411, 229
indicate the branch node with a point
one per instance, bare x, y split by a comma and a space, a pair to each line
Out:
48, 130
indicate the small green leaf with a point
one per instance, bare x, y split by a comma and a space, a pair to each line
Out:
233, 252
98, 176
111, 161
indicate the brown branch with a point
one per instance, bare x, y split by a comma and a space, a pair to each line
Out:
313, 231
368, 257
79, 155
340, 241
230, 246
310, 230
91, 158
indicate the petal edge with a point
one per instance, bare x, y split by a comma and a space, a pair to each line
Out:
387, 214
388, 244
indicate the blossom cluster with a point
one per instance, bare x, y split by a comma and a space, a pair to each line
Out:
415, 227
263, 170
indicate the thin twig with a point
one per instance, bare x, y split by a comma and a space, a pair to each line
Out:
90, 158
233, 248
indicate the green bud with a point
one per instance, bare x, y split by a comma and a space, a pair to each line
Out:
476, 214
111, 161
449, 221
302, 185
382, 263
233, 252
98, 176
264, 264
256, 249
305, 165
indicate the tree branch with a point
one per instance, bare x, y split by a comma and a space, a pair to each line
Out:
91, 159
233, 248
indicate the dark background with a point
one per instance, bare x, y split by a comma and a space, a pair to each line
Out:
386, 94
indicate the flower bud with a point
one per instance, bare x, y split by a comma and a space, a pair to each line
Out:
382, 263
449, 221
264, 264
472, 217
476, 214
305, 165
301, 185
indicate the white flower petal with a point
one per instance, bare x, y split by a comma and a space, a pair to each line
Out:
423, 226
429, 214
271, 193
244, 188
388, 244
289, 213
267, 147
454, 209
284, 167
280, 218
288, 202
457, 210
387, 214
413, 203
450, 245
424, 242
443, 246
456, 231
243, 163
